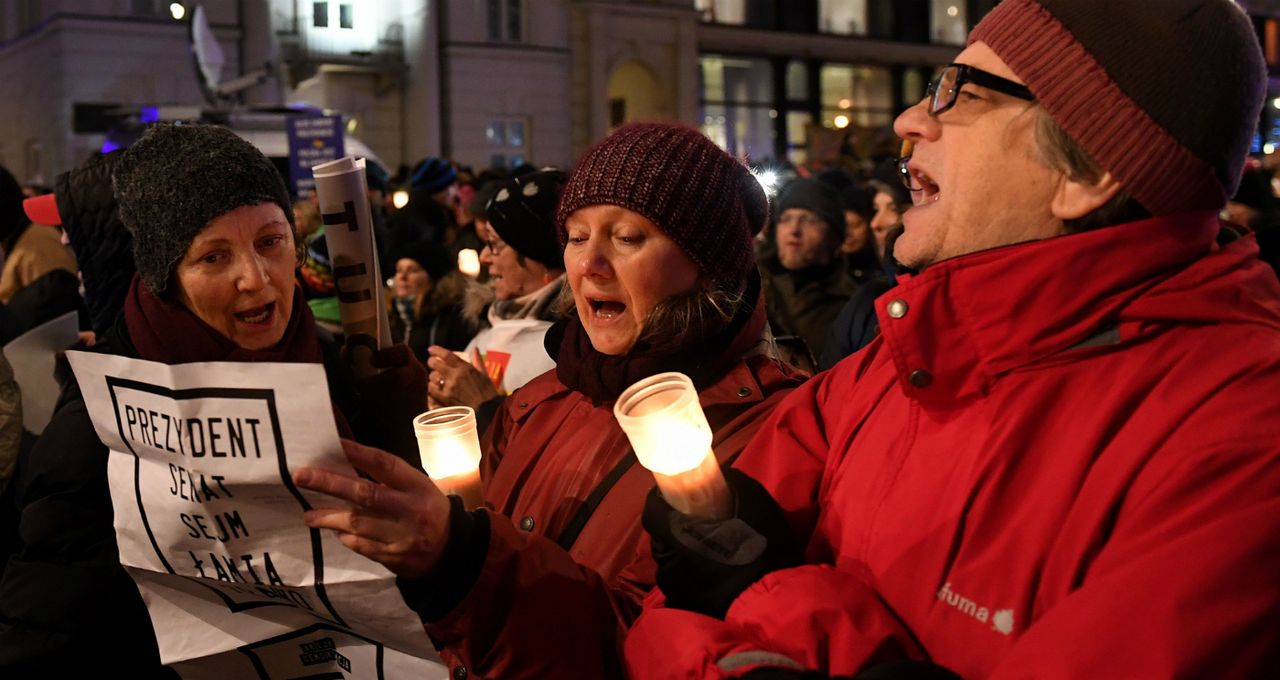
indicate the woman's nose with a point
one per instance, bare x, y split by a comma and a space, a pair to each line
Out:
593, 261
252, 274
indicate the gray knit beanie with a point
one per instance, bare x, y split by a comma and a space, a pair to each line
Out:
178, 178
1163, 94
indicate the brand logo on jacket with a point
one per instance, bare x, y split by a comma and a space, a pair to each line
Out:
1001, 621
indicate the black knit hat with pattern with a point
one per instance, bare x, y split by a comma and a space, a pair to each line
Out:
1163, 94
522, 209
703, 198
176, 179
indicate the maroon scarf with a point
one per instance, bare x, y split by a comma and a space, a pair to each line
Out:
603, 377
171, 334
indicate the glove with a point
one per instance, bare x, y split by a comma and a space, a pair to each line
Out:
703, 565
390, 399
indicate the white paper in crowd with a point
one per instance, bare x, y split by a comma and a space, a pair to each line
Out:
32, 357
210, 524
344, 210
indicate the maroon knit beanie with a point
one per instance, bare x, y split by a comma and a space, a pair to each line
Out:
700, 196
1163, 94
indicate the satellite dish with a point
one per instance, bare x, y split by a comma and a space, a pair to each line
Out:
210, 60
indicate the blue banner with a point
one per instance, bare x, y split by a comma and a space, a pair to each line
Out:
312, 141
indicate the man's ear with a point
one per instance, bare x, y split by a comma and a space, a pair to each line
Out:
1076, 198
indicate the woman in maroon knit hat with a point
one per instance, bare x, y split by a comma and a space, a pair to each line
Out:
657, 224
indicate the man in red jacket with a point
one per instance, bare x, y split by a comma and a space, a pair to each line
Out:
1061, 459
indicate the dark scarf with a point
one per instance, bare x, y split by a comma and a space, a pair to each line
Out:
171, 334
602, 377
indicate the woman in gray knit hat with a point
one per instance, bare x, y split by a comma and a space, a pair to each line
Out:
214, 242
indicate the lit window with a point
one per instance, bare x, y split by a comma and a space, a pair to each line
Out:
723, 11
863, 94
507, 141
737, 105
948, 22
843, 17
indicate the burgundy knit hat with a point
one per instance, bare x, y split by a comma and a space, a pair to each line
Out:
1163, 94
703, 198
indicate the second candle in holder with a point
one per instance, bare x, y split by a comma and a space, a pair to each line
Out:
450, 450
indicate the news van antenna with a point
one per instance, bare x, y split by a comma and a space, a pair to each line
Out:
209, 60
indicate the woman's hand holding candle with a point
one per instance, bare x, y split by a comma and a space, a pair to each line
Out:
398, 519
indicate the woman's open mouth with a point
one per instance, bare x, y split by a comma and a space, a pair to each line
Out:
606, 309
257, 315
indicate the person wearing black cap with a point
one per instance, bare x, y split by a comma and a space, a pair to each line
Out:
426, 300
805, 281
1059, 458
526, 272
428, 215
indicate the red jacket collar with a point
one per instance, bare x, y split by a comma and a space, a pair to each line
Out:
969, 319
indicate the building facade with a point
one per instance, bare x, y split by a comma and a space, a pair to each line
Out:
489, 82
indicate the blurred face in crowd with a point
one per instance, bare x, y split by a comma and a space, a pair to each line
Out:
237, 275
620, 266
886, 218
411, 280
984, 183
856, 233
802, 239
511, 278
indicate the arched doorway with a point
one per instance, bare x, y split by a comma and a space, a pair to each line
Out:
634, 94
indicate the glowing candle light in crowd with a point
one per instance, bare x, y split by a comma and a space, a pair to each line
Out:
469, 262
664, 421
450, 450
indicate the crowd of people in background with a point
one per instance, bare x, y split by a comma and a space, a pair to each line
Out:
535, 296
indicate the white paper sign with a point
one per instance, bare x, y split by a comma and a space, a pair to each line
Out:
32, 357
209, 523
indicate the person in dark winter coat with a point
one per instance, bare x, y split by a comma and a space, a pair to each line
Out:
1059, 458
84, 204
214, 245
30, 250
426, 300
428, 215
527, 277
805, 282
658, 223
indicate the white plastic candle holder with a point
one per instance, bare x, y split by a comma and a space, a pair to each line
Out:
663, 419
450, 451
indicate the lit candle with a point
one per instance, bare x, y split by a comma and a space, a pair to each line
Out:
664, 421
469, 262
450, 450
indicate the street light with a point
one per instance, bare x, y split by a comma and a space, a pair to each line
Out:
177, 11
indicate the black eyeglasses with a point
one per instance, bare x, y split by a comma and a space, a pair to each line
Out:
943, 92
945, 87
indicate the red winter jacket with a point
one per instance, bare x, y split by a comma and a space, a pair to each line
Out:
537, 611
1060, 460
